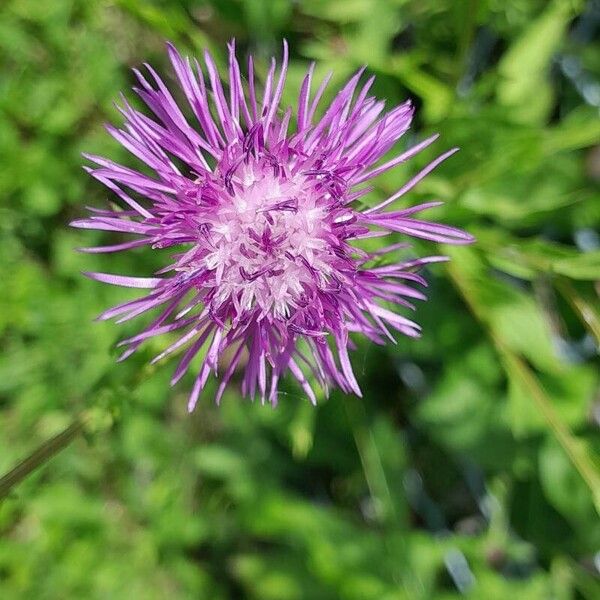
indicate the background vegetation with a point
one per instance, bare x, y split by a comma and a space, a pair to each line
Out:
469, 469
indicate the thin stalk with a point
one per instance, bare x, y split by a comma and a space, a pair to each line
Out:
40, 456
584, 311
517, 366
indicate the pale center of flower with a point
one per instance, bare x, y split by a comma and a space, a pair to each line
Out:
268, 244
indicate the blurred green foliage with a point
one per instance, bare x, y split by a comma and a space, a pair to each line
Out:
471, 466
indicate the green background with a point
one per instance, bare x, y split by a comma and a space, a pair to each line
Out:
469, 469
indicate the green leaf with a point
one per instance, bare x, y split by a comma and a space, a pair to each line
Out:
370, 44
437, 96
580, 129
567, 492
585, 266
524, 85
572, 392
467, 271
464, 411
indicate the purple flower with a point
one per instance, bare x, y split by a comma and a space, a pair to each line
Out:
262, 209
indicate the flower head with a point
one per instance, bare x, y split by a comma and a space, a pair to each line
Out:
261, 207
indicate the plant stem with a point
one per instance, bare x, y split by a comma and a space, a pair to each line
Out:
516, 366
40, 455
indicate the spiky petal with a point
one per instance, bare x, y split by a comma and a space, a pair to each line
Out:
261, 208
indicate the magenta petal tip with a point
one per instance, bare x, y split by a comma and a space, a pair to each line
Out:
257, 211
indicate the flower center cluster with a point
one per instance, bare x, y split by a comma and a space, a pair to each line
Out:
266, 243
265, 225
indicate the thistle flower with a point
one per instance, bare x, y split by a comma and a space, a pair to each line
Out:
262, 206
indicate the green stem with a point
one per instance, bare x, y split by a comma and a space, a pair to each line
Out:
584, 311
40, 455
517, 366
